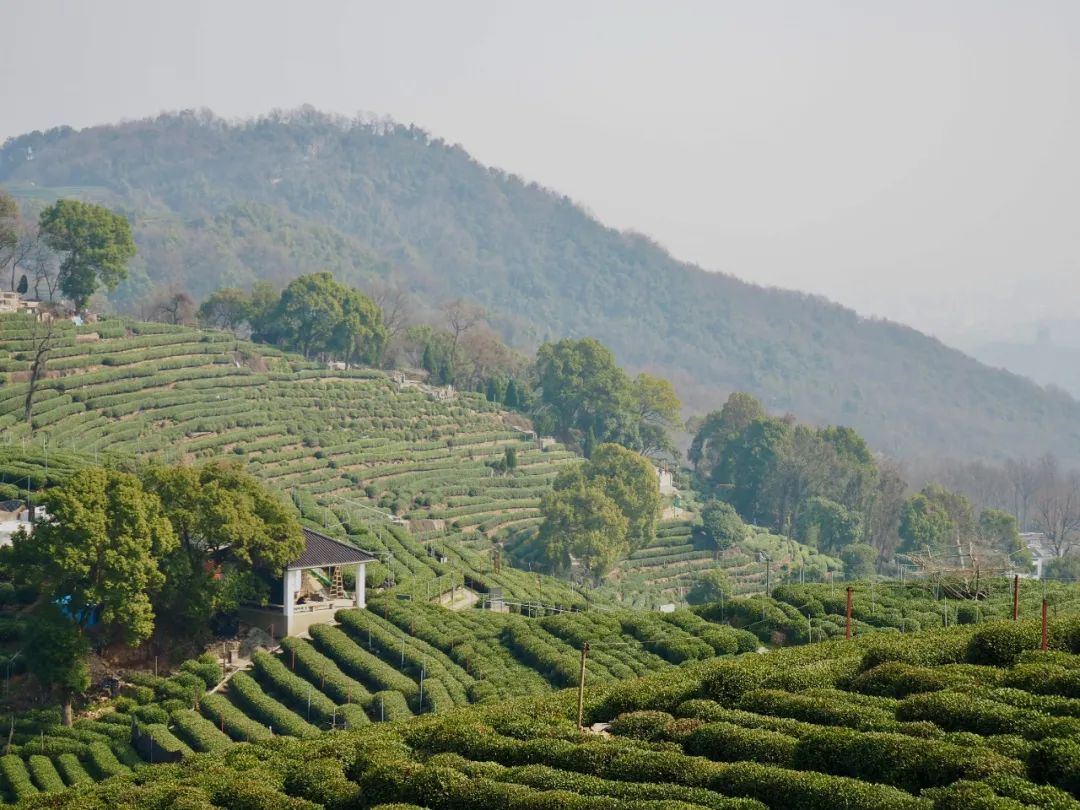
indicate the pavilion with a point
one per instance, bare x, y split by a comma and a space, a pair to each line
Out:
312, 587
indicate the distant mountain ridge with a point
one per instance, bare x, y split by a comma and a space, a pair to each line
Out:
216, 203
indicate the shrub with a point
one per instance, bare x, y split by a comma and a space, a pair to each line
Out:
281, 720
103, 761
198, 732
301, 695
961, 711
1001, 643
322, 780
72, 770
317, 668
1057, 762
819, 709
388, 706
728, 743
643, 725
16, 778
895, 759
966, 795
234, 722
359, 662
206, 668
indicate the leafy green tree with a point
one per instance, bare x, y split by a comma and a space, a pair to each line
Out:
746, 467
588, 447
99, 551
23, 286
231, 530
512, 399
510, 457
629, 480
719, 427
721, 524
583, 523
656, 408
262, 313
859, 561
309, 312
228, 308
828, 525
360, 335
57, 656
581, 387
9, 215
1065, 569
709, 587
95, 243
926, 524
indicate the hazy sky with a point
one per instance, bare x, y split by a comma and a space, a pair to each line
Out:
917, 160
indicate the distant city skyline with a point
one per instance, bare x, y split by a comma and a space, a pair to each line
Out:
912, 160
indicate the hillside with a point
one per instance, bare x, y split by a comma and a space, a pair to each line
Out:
216, 203
360, 454
964, 717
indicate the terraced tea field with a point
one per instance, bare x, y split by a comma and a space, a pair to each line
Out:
968, 717
360, 454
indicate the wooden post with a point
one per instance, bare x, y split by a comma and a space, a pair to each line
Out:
581, 685
1016, 597
294, 659
847, 628
1045, 640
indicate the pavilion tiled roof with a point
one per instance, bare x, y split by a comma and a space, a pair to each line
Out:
320, 551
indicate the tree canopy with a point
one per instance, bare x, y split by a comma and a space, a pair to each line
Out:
600, 510
99, 551
230, 529
582, 390
96, 246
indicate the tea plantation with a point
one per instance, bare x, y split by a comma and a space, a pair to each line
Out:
408, 703
970, 716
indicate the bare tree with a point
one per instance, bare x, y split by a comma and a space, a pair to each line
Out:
21, 251
1023, 481
43, 338
461, 316
43, 263
176, 307
396, 315
1057, 506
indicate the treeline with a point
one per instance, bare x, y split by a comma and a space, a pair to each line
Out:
573, 389
824, 487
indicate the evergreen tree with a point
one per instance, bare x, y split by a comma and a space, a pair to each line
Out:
512, 399
590, 444
24, 285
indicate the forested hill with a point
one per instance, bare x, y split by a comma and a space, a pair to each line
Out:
217, 203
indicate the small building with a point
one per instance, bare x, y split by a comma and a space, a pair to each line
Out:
14, 302
312, 587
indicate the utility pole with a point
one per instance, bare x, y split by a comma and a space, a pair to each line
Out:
847, 628
581, 685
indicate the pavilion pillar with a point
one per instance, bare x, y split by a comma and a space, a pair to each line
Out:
291, 584
361, 601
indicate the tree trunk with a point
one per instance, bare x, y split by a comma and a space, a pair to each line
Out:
68, 714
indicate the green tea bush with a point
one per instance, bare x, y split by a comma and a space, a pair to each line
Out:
72, 771
896, 759
16, 778
247, 692
198, 732
728, 743
234, 722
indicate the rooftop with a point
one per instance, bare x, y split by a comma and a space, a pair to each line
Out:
321, 551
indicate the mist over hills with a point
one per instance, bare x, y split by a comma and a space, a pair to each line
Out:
216, 203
